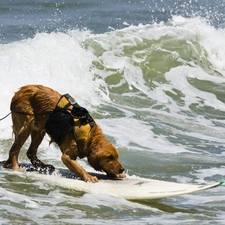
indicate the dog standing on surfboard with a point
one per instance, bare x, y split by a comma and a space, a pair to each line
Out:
37, 110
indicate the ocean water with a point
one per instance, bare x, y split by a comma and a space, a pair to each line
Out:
152, 73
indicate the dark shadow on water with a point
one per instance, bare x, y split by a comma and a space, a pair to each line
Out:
166, 208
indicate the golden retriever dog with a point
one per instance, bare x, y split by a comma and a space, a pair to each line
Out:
37, 109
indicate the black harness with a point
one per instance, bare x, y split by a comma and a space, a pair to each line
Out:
65, 117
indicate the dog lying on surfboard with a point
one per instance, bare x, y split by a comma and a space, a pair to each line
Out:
37, 109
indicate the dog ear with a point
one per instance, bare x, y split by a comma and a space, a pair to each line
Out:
94, 160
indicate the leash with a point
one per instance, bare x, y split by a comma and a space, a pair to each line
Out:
5, 116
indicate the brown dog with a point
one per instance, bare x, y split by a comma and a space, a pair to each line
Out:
37, 109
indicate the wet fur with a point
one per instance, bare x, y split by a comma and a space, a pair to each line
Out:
31, 107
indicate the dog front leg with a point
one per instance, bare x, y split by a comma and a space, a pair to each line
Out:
74, 166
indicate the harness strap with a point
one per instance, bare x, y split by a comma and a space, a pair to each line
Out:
77, 112
68, 116
66, 101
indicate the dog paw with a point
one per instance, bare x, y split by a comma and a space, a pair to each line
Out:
92, 179
45, 168
122, 175
23, 170
49, 167
8, 164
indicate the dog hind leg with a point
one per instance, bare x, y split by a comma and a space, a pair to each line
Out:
36, 139
20, 139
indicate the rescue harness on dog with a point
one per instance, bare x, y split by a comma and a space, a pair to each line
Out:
67, 117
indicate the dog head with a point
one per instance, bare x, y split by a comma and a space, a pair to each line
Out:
105, 158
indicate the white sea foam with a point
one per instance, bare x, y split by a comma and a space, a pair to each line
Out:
133, 132
61, 61
178, 79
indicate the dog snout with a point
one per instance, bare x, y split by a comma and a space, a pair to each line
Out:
121, 170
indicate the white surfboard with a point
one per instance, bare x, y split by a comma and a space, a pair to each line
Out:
130, 188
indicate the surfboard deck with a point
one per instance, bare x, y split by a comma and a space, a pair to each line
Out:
130, 188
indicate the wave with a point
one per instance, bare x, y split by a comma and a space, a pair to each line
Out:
157, 91
161, 64
165, 70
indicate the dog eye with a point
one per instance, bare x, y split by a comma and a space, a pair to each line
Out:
110, 157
